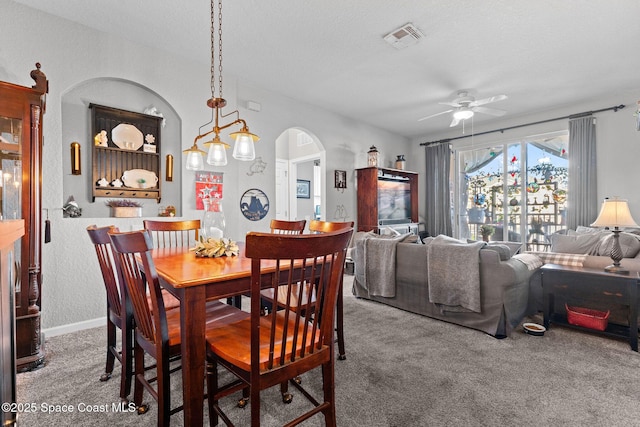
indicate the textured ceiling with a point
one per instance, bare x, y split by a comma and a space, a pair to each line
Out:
542, 54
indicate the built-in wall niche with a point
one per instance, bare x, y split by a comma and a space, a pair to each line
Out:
126, 154
77, 125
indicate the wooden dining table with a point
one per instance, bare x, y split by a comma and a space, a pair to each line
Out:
194, 280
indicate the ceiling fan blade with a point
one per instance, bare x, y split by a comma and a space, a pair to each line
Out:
490, 111
434, 115
488, 100
454, 122
451, 104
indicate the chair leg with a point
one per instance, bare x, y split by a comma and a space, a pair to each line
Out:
328, 385
111, 349
339, 325
127, 360
212, 388
138, 386
255, 404
284, 390
164, 393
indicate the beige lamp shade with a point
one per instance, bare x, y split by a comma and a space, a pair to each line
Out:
614, 213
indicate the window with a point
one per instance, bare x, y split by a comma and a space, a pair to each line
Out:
519, 188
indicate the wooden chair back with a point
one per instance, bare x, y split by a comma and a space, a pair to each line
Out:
317, 226
173, 233
100, 238
151, 322
279, 226
317, 262
118, 317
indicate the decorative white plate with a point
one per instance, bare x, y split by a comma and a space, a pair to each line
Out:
127, 137
139, 178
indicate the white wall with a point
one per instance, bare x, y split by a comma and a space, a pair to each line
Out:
70, 54
618, 144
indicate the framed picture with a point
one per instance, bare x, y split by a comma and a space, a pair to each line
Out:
340, 179
303, 189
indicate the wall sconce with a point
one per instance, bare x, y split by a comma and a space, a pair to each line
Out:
169, 168
76, 167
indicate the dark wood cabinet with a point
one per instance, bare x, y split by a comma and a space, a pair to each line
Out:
386, 197
10, 233
21, 111
126, 152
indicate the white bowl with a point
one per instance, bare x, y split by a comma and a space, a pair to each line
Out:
534, 329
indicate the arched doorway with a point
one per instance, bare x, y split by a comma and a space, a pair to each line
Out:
300, 176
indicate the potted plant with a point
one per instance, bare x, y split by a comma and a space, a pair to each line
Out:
486, 230
125, 208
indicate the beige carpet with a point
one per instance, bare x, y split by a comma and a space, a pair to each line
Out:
401, 370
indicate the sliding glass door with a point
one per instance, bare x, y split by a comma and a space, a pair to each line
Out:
515, 191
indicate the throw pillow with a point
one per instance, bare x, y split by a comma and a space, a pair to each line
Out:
581, 229
578, 244
629, 244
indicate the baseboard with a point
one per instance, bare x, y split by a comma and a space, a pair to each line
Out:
74, 327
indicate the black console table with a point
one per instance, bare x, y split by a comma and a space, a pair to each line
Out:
590, 284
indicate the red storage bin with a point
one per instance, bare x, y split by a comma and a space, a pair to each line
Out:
587, 318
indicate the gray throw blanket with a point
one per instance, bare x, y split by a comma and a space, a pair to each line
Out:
454, 274
376, 263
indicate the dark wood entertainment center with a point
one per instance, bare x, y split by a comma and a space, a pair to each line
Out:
369, 194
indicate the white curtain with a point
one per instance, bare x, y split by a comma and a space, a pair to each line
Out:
582, 203
438, 194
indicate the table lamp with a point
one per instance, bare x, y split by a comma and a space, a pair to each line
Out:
615, 214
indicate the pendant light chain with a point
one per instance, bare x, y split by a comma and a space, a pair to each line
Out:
213, 47
220, 45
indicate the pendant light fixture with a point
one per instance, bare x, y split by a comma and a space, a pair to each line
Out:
244, 140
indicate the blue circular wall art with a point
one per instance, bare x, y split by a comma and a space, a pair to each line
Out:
254, 204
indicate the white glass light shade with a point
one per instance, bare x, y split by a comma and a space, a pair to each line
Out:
463, 114
217, 154
195, 162
614, 213
244, 148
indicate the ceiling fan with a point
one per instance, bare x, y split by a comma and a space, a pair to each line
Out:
465, 106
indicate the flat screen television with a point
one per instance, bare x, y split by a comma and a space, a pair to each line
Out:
394, 201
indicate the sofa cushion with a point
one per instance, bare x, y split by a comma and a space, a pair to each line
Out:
514, 247
578, 244
502, 250
573, 260
629, 244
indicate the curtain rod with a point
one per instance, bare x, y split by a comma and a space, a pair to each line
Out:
572, 116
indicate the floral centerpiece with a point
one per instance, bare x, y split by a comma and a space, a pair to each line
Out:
214, 248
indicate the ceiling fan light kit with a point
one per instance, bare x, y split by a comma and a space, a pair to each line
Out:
465, 106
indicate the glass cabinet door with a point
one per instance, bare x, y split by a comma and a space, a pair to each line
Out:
11, 168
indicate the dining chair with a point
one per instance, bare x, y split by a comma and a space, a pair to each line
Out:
317, 226
173, 233
263, 351
117, 318
280, 226
157, 330
166, 234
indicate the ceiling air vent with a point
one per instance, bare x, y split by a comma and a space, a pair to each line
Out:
404, 36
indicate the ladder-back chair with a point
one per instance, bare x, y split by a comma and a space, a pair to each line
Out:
173, 233
117, 318
264, 351
157, 330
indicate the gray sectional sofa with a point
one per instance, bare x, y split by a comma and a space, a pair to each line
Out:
503, 282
